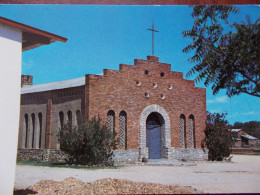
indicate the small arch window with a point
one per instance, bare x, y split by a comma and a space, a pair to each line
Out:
69, 114
146, 72
138, 83
162, 74
146, 94
170, 86
111, 121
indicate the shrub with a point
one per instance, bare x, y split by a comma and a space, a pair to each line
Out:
218, 138
88, 143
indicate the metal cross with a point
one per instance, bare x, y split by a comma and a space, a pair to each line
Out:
152, 37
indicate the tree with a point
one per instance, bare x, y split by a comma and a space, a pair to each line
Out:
88, 143
226, 60
218, 139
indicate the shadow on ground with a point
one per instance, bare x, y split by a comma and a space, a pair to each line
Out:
24, 192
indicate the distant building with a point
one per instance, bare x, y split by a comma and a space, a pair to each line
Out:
241, 138
15, 38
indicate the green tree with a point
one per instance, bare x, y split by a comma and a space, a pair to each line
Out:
218, 138
225, 60
88, 143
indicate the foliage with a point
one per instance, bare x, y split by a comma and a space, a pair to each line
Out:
251, 127
226, 60
88, 143
218, 138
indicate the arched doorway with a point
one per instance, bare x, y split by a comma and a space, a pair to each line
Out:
153, 135
164, 121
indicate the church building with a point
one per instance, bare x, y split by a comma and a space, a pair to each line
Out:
155, 112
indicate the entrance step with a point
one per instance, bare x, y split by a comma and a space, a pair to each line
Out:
166, 162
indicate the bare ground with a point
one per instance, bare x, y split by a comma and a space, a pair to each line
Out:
242, 175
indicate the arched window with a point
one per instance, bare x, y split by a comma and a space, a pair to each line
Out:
122, 130
40, 129
111, 120
78, 116
33, 129
183, 143
61, 115
69, 113
26, 130
191, 131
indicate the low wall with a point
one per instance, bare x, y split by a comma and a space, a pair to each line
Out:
190, 154
125, 156
120, 156
41, 155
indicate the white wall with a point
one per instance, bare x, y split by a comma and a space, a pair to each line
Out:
10, 74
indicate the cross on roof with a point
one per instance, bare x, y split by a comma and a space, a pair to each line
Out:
152, 37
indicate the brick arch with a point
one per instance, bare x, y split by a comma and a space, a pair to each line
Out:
165, 131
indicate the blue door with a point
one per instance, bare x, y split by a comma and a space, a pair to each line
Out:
153, 141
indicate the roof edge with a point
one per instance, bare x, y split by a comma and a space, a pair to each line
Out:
32, 29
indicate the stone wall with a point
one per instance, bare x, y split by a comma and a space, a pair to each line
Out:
190, 154
41, 155
120, 156
125, 156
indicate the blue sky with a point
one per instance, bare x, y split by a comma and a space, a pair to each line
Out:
104, 36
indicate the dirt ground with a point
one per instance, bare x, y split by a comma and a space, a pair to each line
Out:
242, 175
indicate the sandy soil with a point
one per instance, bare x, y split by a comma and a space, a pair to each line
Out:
242, 175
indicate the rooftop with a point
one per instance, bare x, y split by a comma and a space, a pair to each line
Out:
53, 86
236, 130
249, 137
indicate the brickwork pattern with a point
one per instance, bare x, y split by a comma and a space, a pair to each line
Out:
191, 133
110, 122
122, 130
126, 88
182, 136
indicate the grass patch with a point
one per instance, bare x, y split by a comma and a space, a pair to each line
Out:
62, 165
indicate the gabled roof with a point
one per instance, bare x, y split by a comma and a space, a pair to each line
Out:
236, 139
249, 137
33, 37
53, 86
236, 130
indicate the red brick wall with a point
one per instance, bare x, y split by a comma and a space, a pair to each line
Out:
117, 90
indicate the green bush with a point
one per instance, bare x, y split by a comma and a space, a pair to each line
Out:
218, 138
88, 143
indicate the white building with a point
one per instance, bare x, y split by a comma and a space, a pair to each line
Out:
15, 37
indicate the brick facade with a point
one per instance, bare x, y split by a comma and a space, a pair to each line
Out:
135, 90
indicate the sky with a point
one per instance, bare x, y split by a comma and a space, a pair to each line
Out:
102, 37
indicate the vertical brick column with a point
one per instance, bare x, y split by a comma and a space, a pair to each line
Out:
86, 102
48, 124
